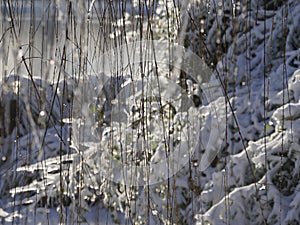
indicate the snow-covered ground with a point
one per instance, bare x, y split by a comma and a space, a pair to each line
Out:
114, 168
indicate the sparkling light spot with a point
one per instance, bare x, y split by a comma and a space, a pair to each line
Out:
42, 113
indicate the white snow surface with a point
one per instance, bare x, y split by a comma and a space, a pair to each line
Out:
253, 179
